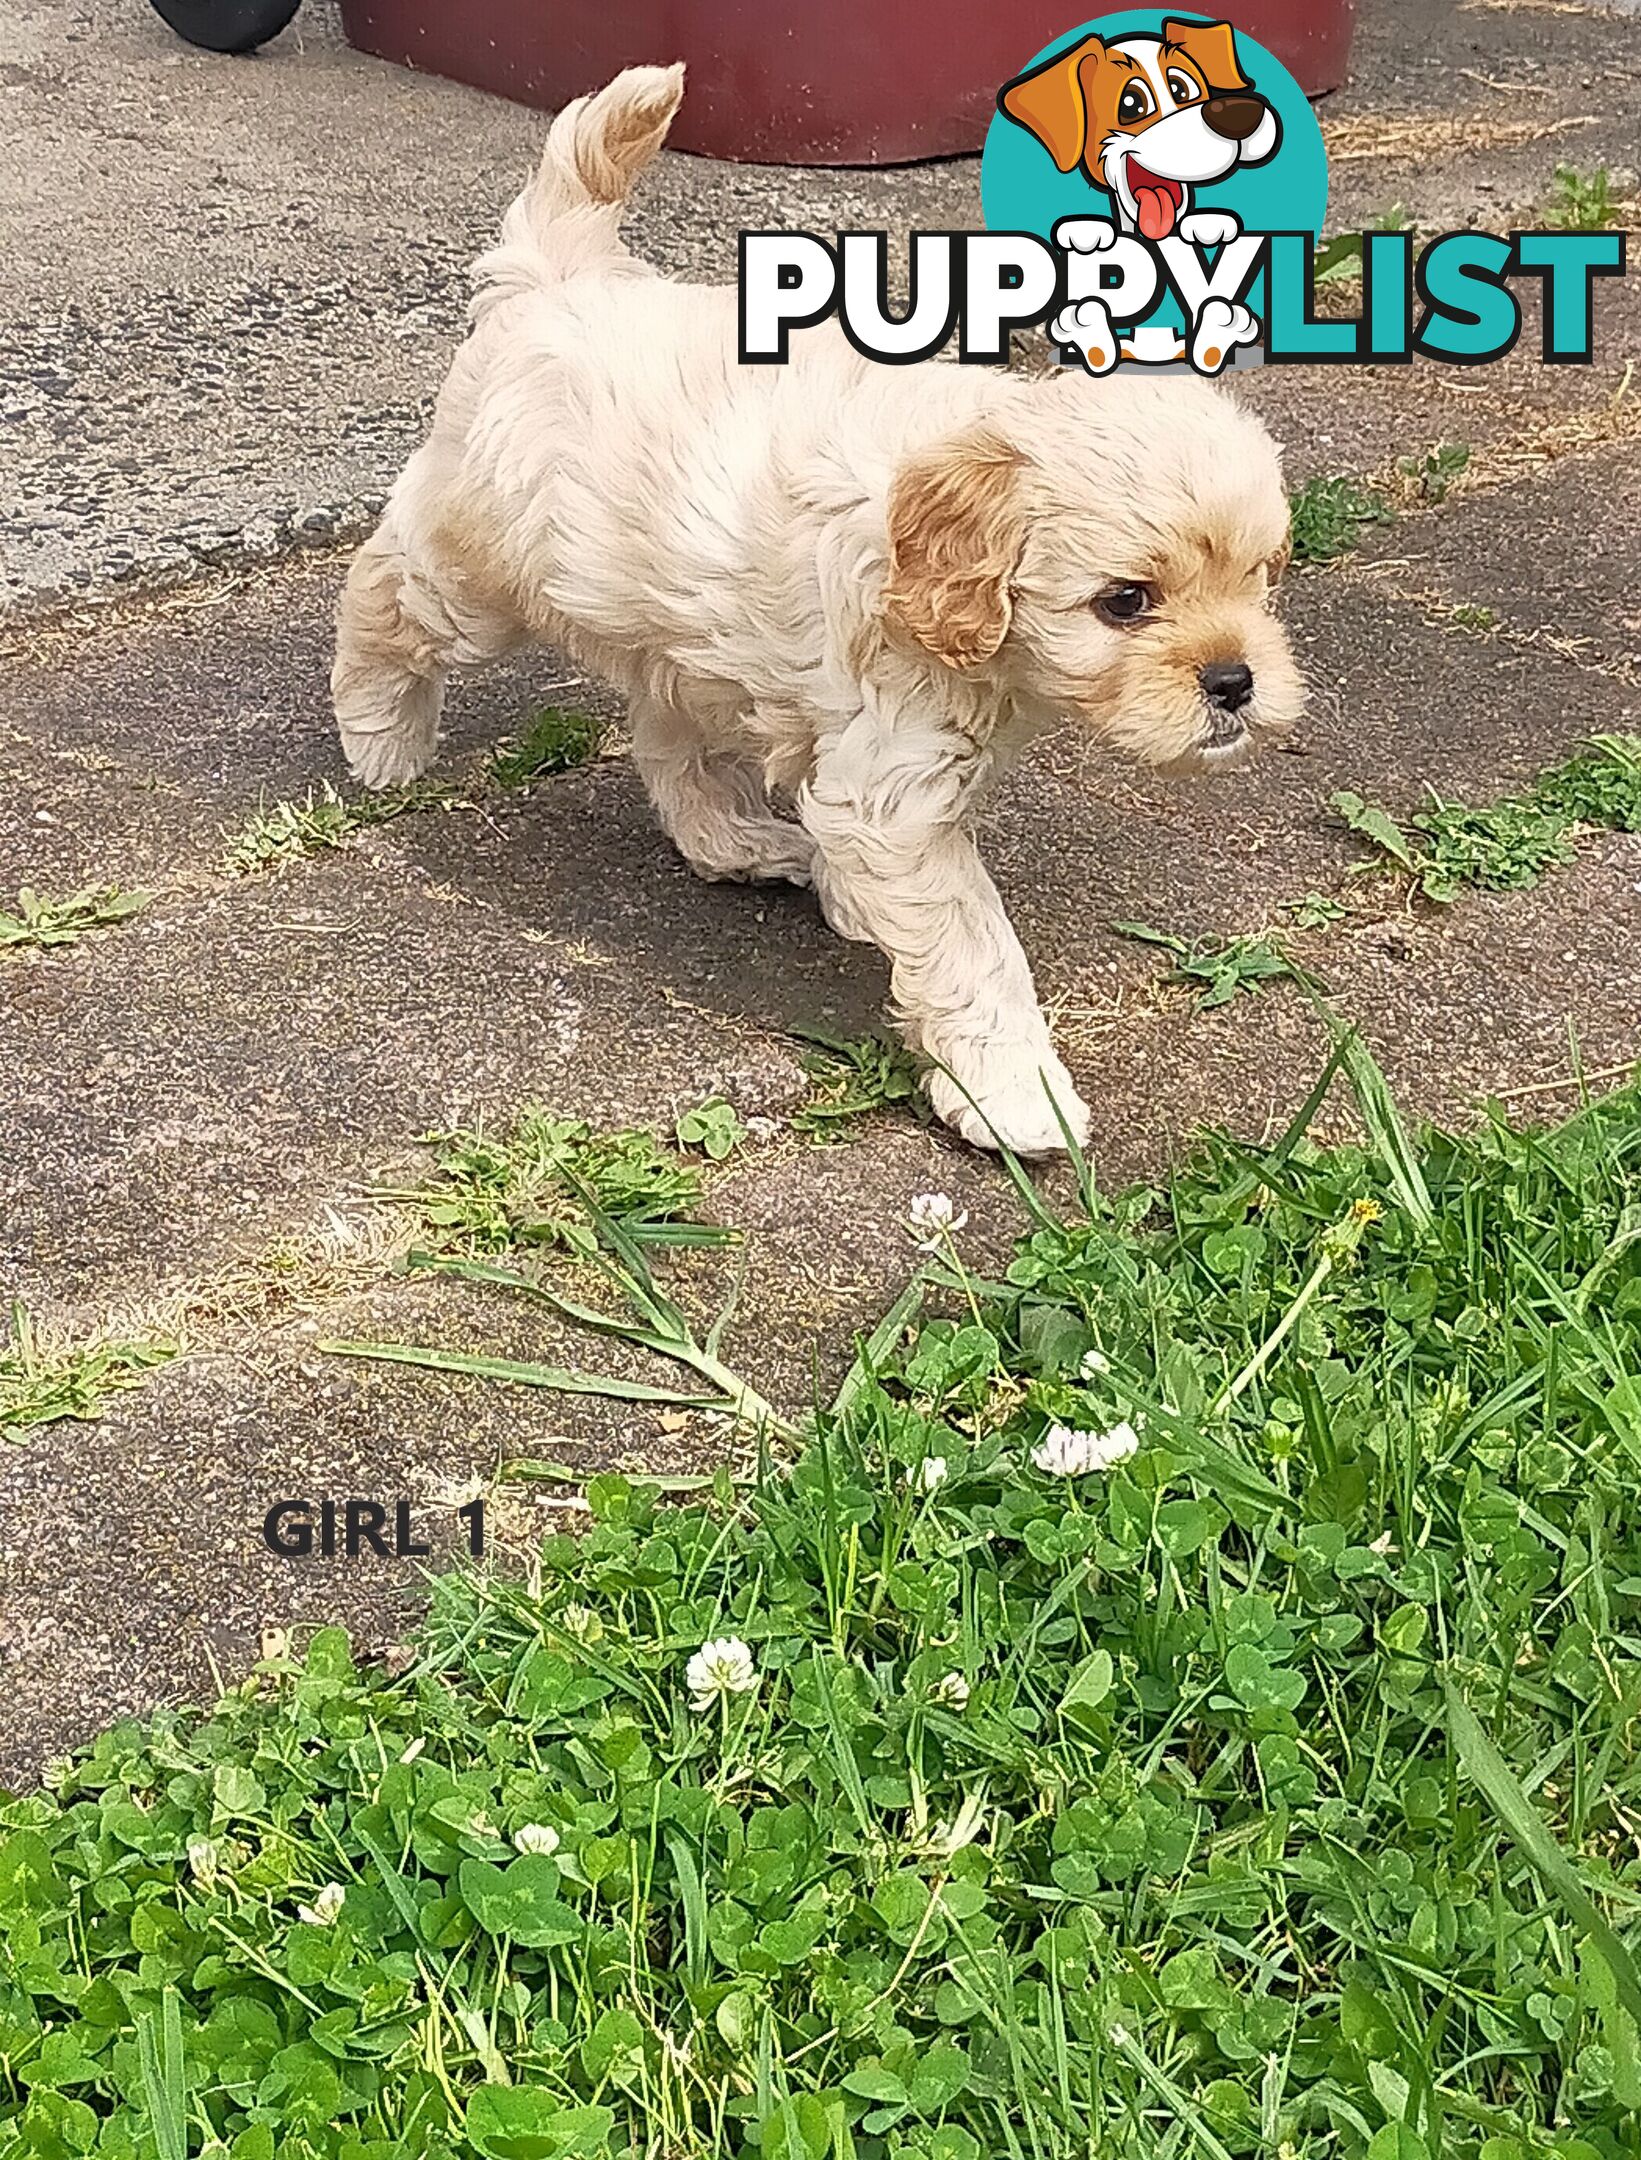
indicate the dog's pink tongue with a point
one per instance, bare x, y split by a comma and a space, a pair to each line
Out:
1156, 212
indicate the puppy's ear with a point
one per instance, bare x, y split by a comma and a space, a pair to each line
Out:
1213, 47
956, 529
1051, 103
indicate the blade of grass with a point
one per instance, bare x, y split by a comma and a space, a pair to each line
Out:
1030, 1198
693, 1898
1530, 1833
880, 1344
164, 2080
1379, 1114
548, 1471
521, 1373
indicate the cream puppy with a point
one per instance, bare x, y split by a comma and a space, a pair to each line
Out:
838, 596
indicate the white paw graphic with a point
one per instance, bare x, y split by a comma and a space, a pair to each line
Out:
1085, 235
1220, 328
1209, 228
1087, 325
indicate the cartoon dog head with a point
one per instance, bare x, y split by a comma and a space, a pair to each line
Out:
1147, 117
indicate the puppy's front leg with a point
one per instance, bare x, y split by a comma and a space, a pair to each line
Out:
898, 866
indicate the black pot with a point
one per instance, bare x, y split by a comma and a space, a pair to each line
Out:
231, 26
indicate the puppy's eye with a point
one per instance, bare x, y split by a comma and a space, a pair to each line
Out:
1183, 89
1123, 604
1134, 104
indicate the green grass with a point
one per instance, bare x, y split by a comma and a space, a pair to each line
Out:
852, 1077
1219, 973
531, 1183
555, 741
41, 1383
1506, 846
1582, 202
1272, 1793
1330, 514
285, 832
39, 923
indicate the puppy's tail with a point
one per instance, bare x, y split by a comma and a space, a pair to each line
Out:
570, 211
599, 145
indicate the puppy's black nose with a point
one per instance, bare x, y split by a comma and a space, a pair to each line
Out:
1227, 684
1234, 117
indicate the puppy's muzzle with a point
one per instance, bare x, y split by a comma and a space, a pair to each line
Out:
1228, 685
1235, 118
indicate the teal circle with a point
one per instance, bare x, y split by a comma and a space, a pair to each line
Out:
1022, 190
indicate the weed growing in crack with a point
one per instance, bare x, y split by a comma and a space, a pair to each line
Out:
849, 1078
1219, 972
1316, 911
711, 1126
1601, 786
531, 1183
284, 832
1330, 514
41, 923
555, 741
1499, 847
41, 1382
1582, 202
1429, 478
1506, 846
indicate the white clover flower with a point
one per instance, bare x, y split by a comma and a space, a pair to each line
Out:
204, 1860
1095, 1365
931, 1473
952, 1693
326, 1907
932, 1218
719, 1669
1063, 1451
536, 1837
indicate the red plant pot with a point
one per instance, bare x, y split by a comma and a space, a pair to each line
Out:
794, 82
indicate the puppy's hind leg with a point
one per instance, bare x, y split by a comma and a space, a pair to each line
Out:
713, 805
387, 682
405, 618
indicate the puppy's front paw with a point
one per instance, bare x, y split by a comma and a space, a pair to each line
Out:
1009, 1099
1209, 228
389, 761
390, 734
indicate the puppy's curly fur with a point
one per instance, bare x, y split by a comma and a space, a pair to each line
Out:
847, 589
